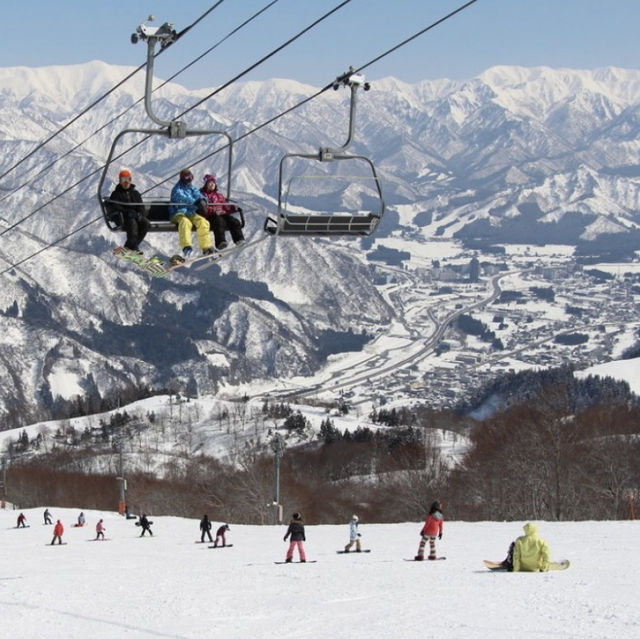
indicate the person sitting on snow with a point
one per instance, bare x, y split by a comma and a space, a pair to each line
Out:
528, 553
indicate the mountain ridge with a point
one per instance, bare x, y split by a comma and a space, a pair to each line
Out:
539, 155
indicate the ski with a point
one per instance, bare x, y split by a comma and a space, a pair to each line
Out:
498, 566
160, 266
64, 543
227, 546
312, 561
426, 561
352, 552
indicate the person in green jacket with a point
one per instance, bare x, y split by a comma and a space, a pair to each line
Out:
528, 553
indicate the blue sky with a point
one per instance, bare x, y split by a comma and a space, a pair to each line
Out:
557, 33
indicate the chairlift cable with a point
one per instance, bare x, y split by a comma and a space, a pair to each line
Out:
247, 133
136, 103
102, 97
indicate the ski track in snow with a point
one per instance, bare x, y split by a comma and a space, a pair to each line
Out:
167, 586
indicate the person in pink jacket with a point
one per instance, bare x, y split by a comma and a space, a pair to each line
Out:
219, 211
100, 530
432, 528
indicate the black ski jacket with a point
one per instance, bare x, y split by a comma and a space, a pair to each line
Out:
296, 530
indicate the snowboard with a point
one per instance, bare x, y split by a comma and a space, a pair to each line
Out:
105, 539
227, 546
64, 543
160, 266
27, 526
352, 552
497, 566
309, 561
426, 561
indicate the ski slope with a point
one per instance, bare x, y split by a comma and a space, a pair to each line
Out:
169, 586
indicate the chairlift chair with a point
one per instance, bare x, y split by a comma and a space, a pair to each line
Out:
157, 211
288, 222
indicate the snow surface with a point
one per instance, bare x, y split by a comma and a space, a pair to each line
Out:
169, 586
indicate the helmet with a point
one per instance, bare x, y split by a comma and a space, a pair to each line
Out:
297, 516
354, 517
125, 173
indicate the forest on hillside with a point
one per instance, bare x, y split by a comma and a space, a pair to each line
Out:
557, 449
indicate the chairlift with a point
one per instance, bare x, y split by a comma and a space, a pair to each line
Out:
300, 222
157, 211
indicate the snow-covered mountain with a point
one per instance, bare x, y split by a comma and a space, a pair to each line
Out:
537, 154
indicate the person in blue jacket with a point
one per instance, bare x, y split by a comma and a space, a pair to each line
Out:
187, 201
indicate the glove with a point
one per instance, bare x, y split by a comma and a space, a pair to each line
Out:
201, 206
284, 539
359, 535
440, 536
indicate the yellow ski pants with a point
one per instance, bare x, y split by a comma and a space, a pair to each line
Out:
186, 223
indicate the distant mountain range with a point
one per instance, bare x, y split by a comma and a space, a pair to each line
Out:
515, 155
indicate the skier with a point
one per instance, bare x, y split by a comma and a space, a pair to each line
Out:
47, 517
432, 528
221, 534
126, 202
146, 525
205, 527
100, 530
21, 521
81, 521
185, 215
219, 214
58, 530
528, 553
296, 530
354, 535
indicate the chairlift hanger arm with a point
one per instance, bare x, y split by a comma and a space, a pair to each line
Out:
164, 35
354, 81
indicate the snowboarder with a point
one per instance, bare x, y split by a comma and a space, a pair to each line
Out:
21, 521
100, 530
146, 525
125, 203
58, 530
47, 517
528, 553
221, 534
205, 527
296, 530
354, 535
432, 528
219, 214
185, 214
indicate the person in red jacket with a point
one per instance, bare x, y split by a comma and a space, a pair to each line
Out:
218, 213
58, 530
432, 528
21, 521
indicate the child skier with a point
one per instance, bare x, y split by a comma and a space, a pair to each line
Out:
220, 534
100, 530
296, 530
58, 530
145, 524
205, 527
432, 528
354, 535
